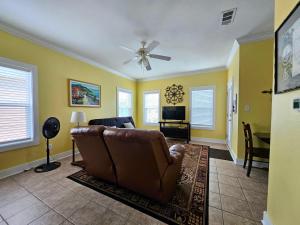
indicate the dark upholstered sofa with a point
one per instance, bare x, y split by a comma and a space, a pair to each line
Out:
114, 121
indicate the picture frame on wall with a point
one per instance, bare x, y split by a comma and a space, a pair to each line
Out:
84, 94
287, 53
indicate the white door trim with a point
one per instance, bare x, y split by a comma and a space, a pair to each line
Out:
229, 113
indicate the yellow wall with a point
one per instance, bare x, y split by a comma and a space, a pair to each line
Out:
218, 79
251, 71
233, 77
284, 182
256, 75
53, 71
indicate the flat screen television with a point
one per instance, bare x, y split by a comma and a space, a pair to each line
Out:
173, 112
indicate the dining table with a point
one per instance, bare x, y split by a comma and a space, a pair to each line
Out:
263, 136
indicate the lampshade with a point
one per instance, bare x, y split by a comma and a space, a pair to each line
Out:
78, 117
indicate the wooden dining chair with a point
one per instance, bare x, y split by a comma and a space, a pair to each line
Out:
251, 151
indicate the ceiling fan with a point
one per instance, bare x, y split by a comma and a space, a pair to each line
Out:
142, 54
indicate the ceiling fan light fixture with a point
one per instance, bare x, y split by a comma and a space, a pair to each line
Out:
142, 54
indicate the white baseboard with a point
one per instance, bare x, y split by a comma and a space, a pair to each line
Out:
210, 140
240, 162
266, 220
26, 166
233, 155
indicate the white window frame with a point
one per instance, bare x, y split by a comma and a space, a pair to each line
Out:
127, 91
159, 114
34, 96
200, 127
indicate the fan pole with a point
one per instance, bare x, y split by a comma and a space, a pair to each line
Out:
48, 152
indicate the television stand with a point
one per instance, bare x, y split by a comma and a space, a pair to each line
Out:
176, 129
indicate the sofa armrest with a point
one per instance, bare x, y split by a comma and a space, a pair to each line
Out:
176, 153
168, 180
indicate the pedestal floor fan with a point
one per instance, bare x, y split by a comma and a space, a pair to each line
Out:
50, 130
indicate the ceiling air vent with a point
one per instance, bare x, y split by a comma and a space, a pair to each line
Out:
228, 16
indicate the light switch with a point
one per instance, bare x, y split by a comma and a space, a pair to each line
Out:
296, 104
247, 108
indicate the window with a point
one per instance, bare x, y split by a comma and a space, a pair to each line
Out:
151, 107
124, 101
18, 109
203, 107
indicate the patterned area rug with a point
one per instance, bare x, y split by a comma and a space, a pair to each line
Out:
190, 202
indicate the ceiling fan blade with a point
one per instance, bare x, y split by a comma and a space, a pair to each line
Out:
146, 63
162, 57
127, 49
130, 60
152, 46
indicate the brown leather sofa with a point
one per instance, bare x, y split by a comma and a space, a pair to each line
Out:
139, 160
95, 155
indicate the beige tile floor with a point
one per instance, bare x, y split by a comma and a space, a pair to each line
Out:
235, 199
51, 198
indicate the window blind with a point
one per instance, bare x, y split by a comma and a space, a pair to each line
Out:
16, 108
202, 107
151, 107
124, 103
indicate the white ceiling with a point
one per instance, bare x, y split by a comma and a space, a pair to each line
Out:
188, 30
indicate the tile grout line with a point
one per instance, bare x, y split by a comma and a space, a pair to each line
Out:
31, 205
3, 220
39, 199
18, 211
15, 200
237, 176
72, 213
248, 203
223, 222
220, 195
223, 210
91, 201
251, 219
240, 186
127, 218
40, 216
65, 221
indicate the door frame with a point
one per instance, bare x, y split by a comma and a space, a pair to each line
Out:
229, 113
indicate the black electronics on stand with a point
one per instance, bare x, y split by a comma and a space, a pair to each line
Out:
173, 125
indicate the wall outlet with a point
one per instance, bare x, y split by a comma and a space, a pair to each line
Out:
50, 147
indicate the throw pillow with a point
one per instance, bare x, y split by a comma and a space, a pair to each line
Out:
128, 125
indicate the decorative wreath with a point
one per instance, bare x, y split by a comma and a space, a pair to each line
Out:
174, 94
